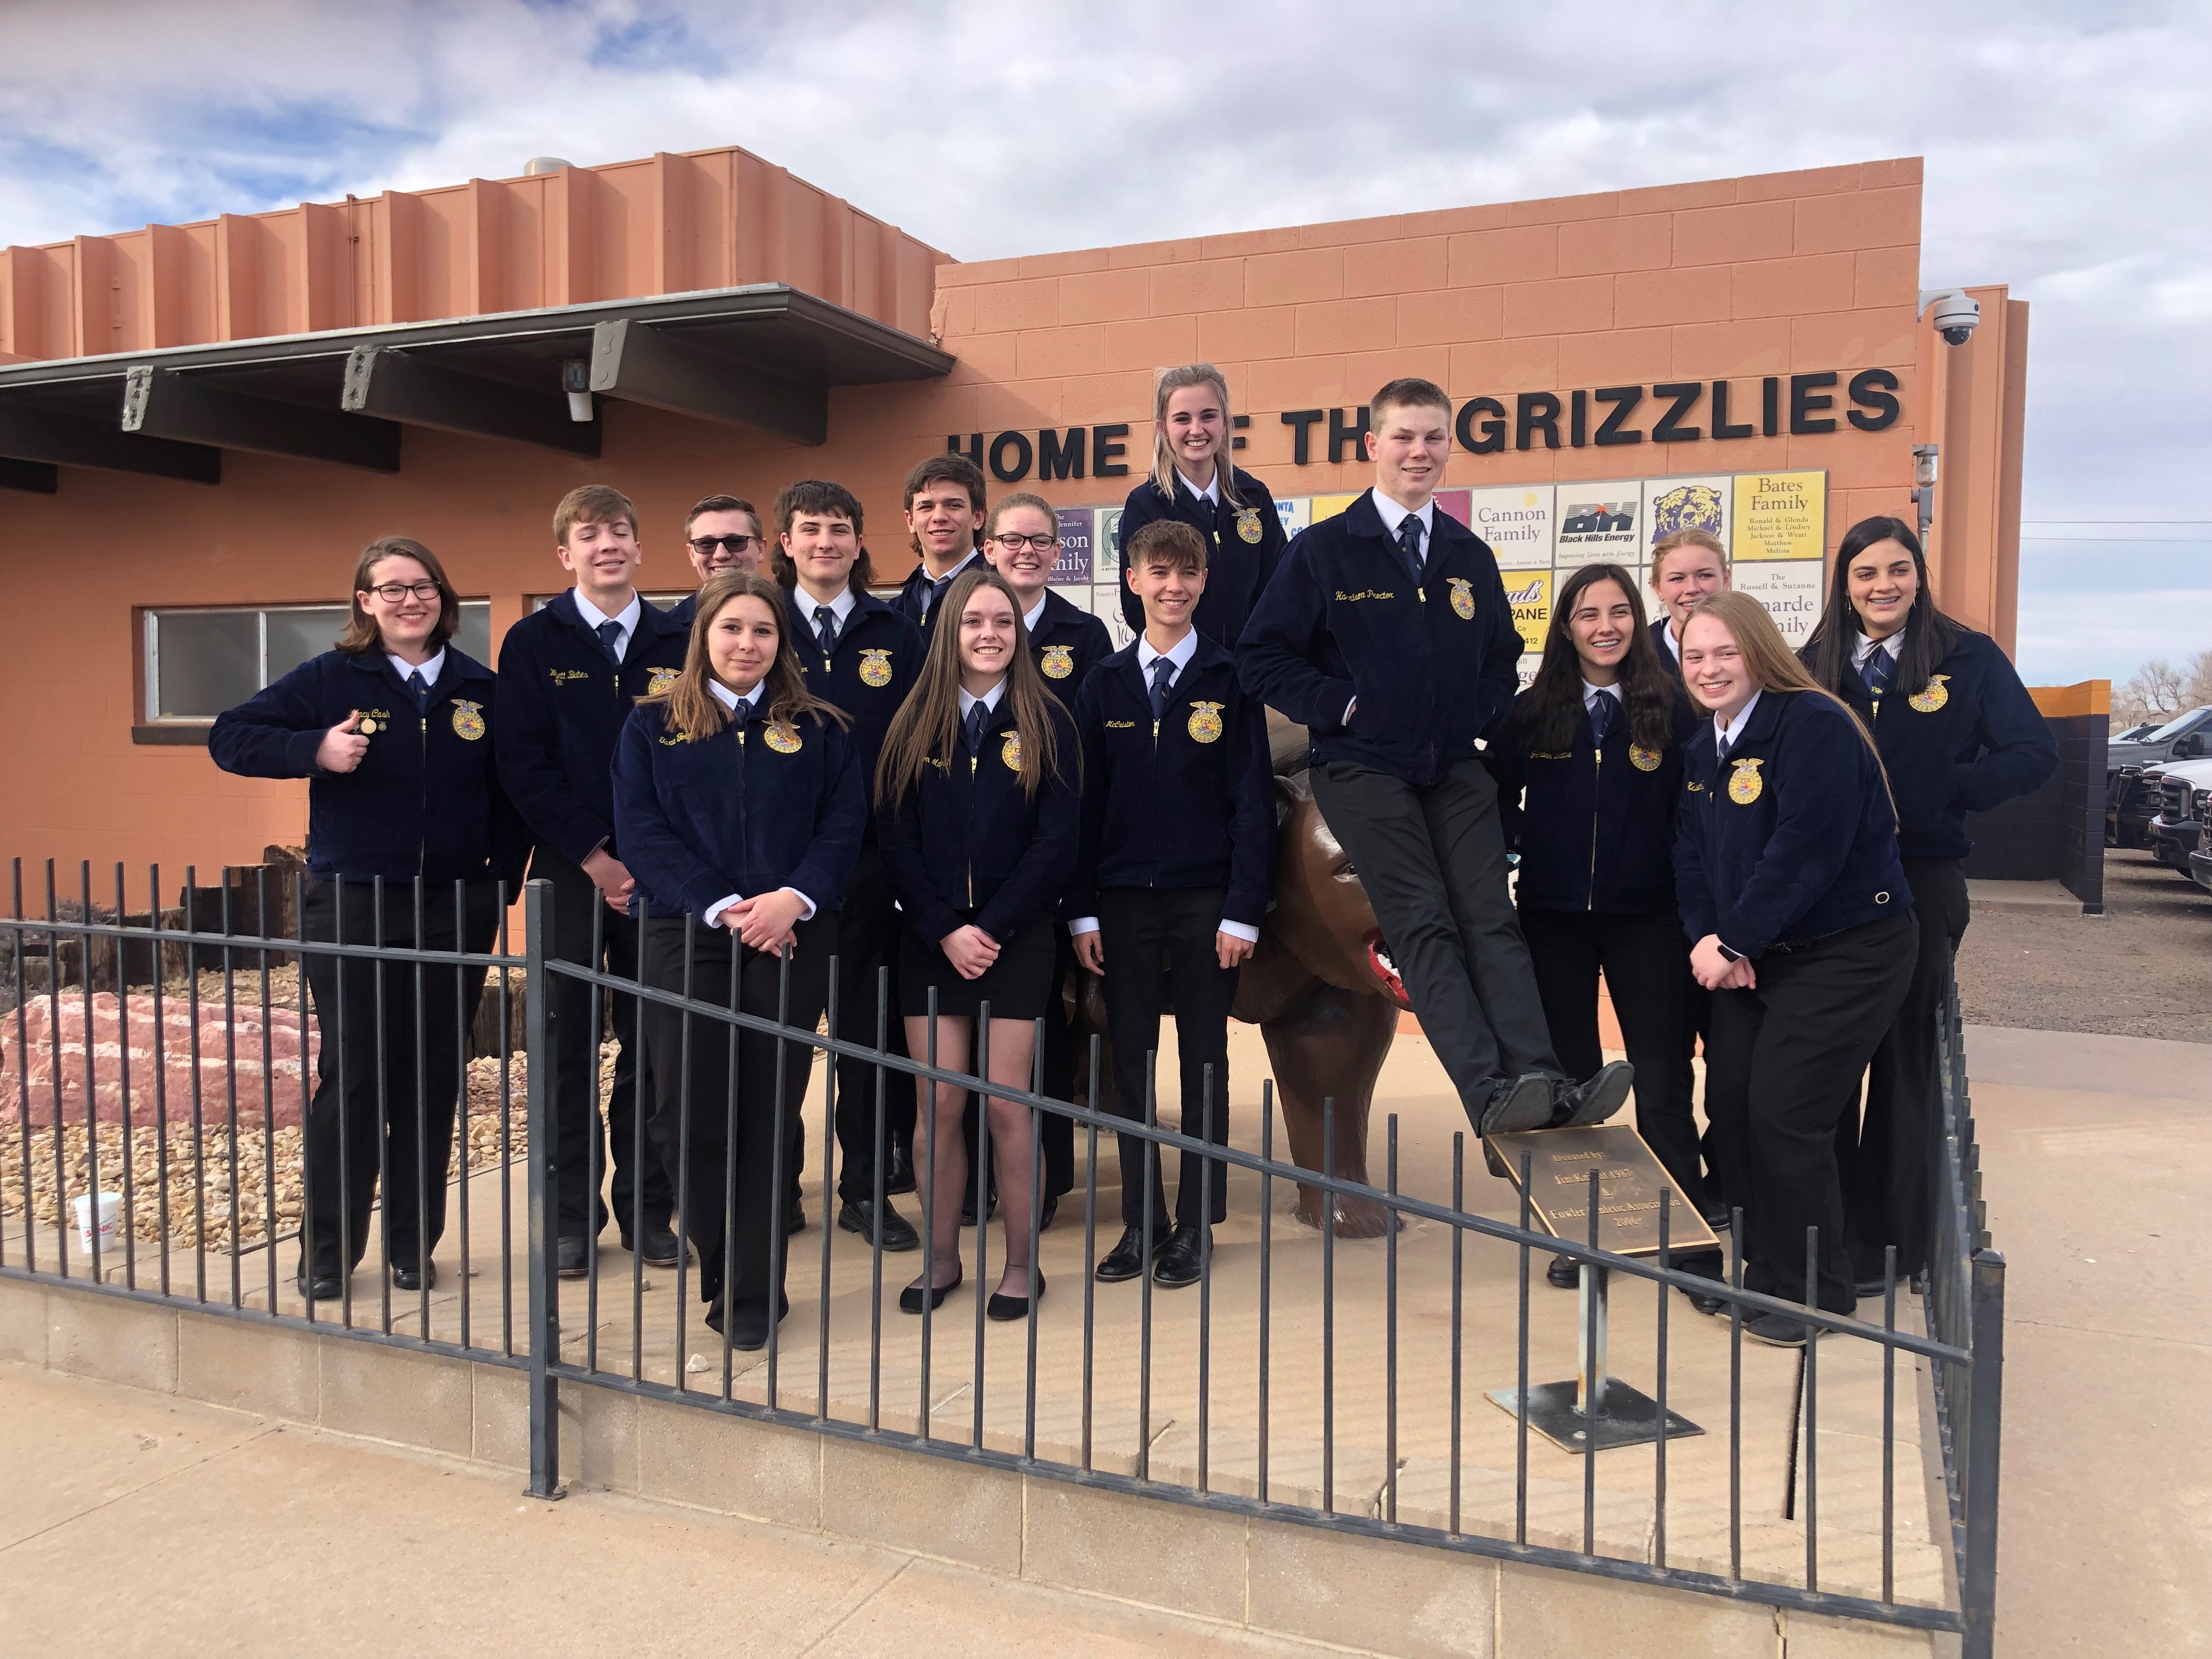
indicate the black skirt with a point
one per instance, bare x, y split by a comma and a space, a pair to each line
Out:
1016, 986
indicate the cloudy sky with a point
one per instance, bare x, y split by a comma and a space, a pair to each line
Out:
2066, 147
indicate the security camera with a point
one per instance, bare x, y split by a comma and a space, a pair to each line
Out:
576, 381
1954, 313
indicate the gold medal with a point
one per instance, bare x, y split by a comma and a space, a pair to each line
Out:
875, 668
368, 729
1058, 661
1744, 784
784, 739
1011, 751
468, 719
1931, 696
1463, 599
1643, 759
1247, 525
1206, 722
663, 680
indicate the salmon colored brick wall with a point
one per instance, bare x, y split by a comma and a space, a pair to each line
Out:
1733, 278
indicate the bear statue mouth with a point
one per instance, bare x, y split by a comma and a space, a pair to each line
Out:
1379, 964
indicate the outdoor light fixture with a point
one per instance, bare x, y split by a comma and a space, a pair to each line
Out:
576, 381
1923, 475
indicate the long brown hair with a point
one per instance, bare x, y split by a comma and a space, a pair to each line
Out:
694, 711
927, 724
361, 634
1928, 635
1163, 467
1549, 715
1774, 666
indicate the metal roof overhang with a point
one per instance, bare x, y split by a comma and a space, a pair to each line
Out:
762, 356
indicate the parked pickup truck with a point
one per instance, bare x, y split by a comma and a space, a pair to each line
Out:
2179, 792
2161, 744
2132, 783
2200, 868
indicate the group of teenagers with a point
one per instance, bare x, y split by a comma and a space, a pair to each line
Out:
962, 788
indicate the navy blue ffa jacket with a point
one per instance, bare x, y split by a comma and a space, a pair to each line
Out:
683, 612
562, 705
1185, 801
1067, 643
1243, 546
1790, 839
964, 838
1596, 826
913, 592
755, 807
426, 799
1664, 647
1968, 739
1433, 666
877, 659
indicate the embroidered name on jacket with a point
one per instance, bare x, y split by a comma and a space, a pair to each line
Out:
1343, 597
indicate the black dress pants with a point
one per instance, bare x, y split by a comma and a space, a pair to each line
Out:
1160, 952
1643, 958
1432, 861
640, 1192
1890, 1159
867, 942
1782, 1067
385, 1082
726, 1143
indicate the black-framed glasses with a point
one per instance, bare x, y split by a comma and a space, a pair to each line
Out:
737, 546
392, 592
1042, 543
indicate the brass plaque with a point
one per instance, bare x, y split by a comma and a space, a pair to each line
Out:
1629, 1179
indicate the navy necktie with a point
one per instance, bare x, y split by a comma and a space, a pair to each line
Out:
933, 599
610, 635
1163, 676
1409, 545
825, 625
1602, 710
1879, 670
419, 689
977, 715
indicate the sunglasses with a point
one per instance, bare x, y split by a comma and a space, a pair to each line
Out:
704, 546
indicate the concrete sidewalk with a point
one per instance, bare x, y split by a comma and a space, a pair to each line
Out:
132, 1523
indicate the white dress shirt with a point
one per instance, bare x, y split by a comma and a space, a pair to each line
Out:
1029, 619
929, 594
1866, 647
430, 671
841, 608
593, 616
742, 707
1723, 735
1180, 655
1392, 515
1673, 646
1592, 693
989, 699
1212, 490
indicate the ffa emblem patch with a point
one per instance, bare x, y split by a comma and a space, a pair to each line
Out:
468, 719
1058, 661
1932, 696
1206, 722
782, 739
1643, 759
664, 679
1463, 599
1744, 783
1247, 525
1011, 751
875, 668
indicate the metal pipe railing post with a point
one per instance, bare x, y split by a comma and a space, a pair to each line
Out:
544, 1325
1977, 1580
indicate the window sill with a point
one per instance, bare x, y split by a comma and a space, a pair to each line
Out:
178, 734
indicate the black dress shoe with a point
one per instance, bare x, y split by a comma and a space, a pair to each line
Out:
1563, 1272
750, 1324
1780, 1330
1047, 1210
1176, 1263
794, 1218
910, 1297
1598, 1099
897, 1233
1005, 1307
662, 1247
1515, 1104
898, 1172
320, 1286
968, 1207
571, 1255
411, 1278
1127, 1259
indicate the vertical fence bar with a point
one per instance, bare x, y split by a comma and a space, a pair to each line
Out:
729, 1174
1205, 1274
1089, 1251
1659, 1400
306, 1097
1735, 1397
122, 1071
421, 1171
506, 1135
1145, 1271
1812, 1412
784, 1135
161, 1066
1889, 1425
830, 1197
1978, 1579
229, 1086
92, 1100
1036, 1230
1390, 1333
1520, 1393
876, 1164
980, 1058
1458, 1286
1267, 1260
54, 1057
1328, 1307
544, 1289
1594, 1310
268, 1075
23, 1090
464, 1040
682, 1306
926, 1115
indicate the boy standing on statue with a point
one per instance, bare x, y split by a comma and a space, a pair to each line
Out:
1387, 634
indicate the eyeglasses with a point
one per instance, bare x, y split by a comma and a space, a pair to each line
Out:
704, 546
392, 592
1042, 543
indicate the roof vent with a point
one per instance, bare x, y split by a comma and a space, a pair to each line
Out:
538, 166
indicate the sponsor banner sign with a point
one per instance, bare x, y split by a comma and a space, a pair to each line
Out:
1106, 545
1327, 506
1517, 523
1599, 521
1673, 504
1455, 504
1529, 593
1295, 513
1078, 526
1790, 591
1780, 515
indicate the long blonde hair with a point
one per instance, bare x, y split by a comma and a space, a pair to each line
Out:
928, 725
694, 711
1171, 381
1772, 665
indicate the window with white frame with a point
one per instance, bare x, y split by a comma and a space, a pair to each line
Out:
202, 659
